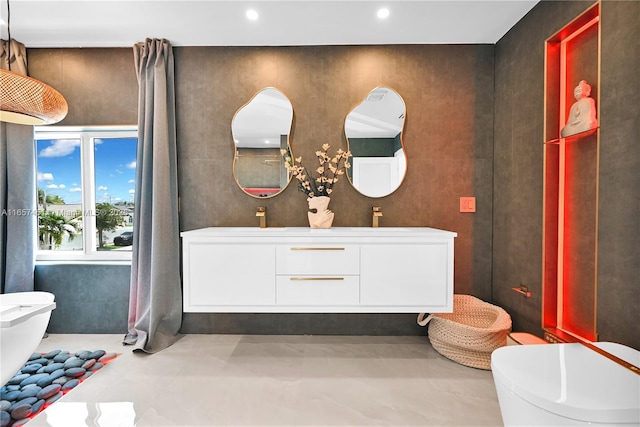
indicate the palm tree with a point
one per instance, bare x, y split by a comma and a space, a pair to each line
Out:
49, 199
52, 227
108, 218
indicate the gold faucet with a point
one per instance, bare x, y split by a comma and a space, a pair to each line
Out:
377, 213
262, 213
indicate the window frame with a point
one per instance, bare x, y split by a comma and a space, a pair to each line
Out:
87, 135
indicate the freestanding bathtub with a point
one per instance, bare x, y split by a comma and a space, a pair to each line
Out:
24, 317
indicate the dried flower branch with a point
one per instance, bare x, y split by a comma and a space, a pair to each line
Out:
328, 171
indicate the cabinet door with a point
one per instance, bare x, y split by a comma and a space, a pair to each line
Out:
228, 274
411, 275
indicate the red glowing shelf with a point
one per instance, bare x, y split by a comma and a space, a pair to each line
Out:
573, 138
570, 182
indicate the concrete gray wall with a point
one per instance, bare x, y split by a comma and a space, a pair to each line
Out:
518, 166
90, 298
619, 189
450, 143
101, 89
448, 91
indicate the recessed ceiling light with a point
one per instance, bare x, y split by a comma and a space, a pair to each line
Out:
252, 15
383, 13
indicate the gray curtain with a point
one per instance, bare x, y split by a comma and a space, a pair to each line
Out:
18, 219
18, 57
155, 304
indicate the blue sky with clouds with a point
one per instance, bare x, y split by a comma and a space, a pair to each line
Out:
58, 163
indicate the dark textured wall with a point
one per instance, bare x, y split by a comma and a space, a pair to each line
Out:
448, 92
258, 167
518, 166
619, 188
99, 85
449, 137
101, 88
90, 298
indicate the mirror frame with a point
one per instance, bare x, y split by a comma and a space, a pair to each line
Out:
235, 148
401, 133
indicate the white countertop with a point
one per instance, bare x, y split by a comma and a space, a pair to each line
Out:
314, 232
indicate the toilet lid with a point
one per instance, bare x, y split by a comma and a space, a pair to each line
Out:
572, 381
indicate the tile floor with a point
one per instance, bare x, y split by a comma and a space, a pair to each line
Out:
258, 380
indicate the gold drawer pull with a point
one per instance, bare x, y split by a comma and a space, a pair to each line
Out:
317, 249
317, 278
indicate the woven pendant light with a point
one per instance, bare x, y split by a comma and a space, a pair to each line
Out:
28, 101
25, 100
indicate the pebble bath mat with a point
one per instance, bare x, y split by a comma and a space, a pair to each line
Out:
44, 379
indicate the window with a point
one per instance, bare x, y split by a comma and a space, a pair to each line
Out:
85, 186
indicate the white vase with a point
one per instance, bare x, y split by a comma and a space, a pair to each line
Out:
319, 215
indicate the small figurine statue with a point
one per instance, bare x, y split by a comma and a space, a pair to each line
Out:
582, 116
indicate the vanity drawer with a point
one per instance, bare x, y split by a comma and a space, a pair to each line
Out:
318, 259
317, 290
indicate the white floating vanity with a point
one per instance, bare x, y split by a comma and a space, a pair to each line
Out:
303, 270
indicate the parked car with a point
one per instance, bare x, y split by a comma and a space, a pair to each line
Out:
125, 239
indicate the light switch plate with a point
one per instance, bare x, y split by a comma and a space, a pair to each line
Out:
467, 204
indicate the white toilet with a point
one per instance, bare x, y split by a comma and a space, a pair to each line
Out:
566, 385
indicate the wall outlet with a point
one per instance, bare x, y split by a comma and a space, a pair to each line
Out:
467, 204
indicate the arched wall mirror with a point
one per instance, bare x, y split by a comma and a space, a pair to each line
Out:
260, 129
374, 136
